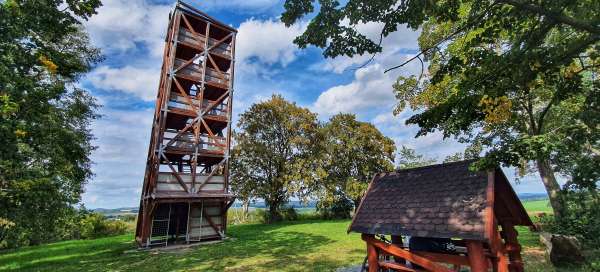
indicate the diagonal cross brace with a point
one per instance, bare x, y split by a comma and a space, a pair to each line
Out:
185, 64
177, 177
212, 173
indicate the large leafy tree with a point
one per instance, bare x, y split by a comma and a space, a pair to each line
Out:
275, 152
44, 117
243, 190
353, 152
409, 158
512, 76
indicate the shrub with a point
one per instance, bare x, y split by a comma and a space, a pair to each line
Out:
581, 219
128, 217
310, 215
262, 215
289, 214
5, 226
237, 216
339, 209
95, 225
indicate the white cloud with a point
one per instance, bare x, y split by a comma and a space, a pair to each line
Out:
120, 24
90, 199
263, 50
141, 82
371, 88
370, 93
432, 145
383, 118
119, 162
268, 41
393, 45
243, 5
124, 30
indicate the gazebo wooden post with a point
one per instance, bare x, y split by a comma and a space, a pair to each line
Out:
512, 247
397, 240
498, 260
372, 255
501, 262
477, 259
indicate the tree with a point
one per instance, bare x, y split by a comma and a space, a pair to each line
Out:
471, 153
353, 152
44, 116
275, 151
243, 190
409, 158
579, 157
501, 72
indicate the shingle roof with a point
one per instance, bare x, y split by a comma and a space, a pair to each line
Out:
444, 200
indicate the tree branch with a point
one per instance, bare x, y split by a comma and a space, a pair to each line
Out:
459, 30
532, 125
545, 111
559, 17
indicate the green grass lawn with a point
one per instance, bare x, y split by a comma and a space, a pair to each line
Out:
536, 206
312, 245
300, 246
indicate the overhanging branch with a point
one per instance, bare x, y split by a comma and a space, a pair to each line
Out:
558, 17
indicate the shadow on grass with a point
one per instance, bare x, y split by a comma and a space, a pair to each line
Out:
528, 238
58, 248
289, 246
265, 246
67, 256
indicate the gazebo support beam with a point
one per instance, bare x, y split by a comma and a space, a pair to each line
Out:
372, 256
477, 259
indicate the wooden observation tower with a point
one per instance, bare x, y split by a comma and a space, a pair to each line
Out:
185, 194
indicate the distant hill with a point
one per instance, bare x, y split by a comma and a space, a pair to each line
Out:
295, 204
532, 196
117, 211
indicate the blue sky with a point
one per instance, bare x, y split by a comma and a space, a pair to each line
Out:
131, 36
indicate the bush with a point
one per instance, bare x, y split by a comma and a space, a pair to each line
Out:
237, 216
289, 214
127, 217
311, 215
259, 215
95, 225
581, 219
340, 209
285, 214
262, 215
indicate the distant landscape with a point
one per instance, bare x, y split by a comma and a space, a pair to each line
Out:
299, 135
305, 245
111, 213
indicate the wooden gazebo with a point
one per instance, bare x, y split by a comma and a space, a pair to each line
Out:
476, 211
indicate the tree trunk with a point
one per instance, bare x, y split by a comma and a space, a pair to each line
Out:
245, 208
356, 203
552, 187
274, 214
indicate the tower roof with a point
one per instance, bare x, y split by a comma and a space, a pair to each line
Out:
194, 11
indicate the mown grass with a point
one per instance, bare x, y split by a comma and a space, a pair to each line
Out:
288, 246
308, 245
537, 206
